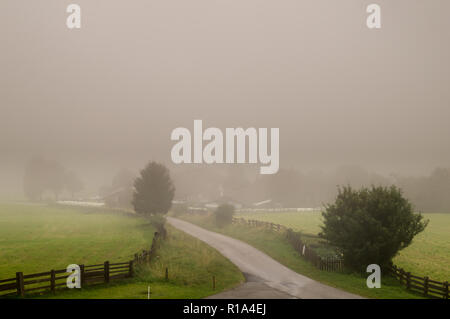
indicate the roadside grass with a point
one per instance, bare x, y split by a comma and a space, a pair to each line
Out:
428, 254
191, 265
276, 246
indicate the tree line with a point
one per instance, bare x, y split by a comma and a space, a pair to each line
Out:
42, 175
291, 187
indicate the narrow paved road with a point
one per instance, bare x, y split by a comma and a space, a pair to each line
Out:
266, 278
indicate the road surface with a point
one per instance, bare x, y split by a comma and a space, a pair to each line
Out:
266, 278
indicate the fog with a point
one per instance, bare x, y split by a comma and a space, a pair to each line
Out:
107, 96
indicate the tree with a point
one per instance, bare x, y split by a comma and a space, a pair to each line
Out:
43, 175
120, 193
370, 226
124, 178
34, 179
55, 177
73, 183
429, 193
154, 190
224, 215
284, 187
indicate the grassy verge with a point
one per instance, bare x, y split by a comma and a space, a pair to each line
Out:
191, 265
276, 246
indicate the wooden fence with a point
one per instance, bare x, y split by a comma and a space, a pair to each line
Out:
147, 255
328, 264
323, 263
89, 274
53, 279
425, 285
259, 223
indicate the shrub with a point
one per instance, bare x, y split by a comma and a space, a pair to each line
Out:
224, 215
158, 221
370, 226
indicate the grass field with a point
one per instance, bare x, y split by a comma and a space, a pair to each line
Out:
428, 255
275, 245
37, 238
191, 265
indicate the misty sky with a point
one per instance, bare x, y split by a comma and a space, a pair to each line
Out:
108, 95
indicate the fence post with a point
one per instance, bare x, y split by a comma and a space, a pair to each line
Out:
167, 274
131, 271
402, 274
52, 280
425, 285
408, 280
82, 276
446, 290
214, 282
19, 284
106, 271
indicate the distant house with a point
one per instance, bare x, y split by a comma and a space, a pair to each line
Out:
224, 200
262, 204
120, 197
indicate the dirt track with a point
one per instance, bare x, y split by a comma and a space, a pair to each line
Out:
266, 278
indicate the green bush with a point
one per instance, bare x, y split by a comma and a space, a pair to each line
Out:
371, 225
224, 215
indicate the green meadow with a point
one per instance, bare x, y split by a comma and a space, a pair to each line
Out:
191, 266
37, 238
